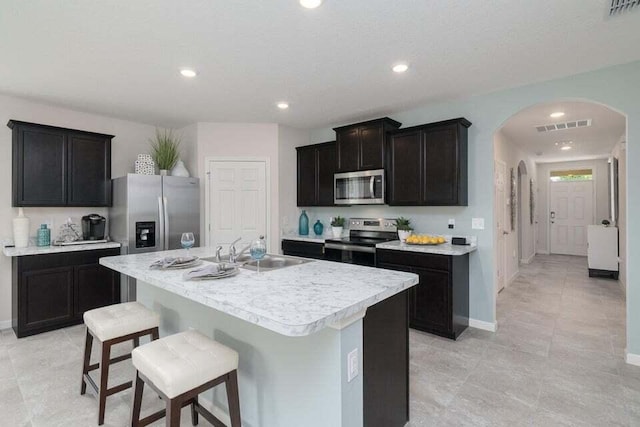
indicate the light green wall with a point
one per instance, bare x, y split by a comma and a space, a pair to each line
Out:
616, 87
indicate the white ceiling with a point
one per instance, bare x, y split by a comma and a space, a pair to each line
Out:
121, 57
595, 141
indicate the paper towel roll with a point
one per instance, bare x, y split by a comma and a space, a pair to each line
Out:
21, 230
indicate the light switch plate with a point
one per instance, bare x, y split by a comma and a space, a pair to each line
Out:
352, 365
477, 223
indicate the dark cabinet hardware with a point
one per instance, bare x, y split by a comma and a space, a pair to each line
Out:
55, 166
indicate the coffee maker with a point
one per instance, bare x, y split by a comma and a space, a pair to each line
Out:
93, 226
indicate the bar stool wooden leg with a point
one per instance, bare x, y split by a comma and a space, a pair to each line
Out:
88, 344
174, 407
231, 382
194, 411
137, 401
104, 377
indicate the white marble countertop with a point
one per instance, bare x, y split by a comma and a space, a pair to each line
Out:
293, 301
443, 249
310, 238
43, 250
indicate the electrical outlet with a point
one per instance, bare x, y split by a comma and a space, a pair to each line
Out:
452, 223
477, 223
352, 365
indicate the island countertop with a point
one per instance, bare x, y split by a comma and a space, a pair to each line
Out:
292, 301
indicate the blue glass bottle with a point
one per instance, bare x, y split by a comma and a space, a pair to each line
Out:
303, 224
318, 228
44, 236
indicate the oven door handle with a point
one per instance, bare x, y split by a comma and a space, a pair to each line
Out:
352, 248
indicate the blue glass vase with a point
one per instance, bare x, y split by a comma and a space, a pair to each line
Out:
318, 228
303, 224
44, 236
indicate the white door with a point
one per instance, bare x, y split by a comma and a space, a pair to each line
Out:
237, 202
501, 218
570, 213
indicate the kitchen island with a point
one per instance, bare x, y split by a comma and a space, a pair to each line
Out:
320, 343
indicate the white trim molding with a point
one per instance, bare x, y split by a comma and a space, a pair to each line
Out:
529, 259
633, 359
485, 326
5, 324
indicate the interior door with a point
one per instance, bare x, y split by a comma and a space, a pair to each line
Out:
237, 202
501, 219
570, 213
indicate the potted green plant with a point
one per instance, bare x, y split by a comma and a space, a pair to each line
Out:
337, 225
404, 228
165, 150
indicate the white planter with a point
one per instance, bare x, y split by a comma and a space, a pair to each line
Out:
403, 234
180, 170
21, 230
337, 231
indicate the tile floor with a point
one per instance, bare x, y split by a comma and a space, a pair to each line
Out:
556, 360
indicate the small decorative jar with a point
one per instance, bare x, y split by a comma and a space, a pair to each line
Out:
44, 236
318, 228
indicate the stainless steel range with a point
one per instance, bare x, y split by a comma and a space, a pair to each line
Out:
360, 246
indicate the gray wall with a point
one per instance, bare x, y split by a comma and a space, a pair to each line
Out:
615, 87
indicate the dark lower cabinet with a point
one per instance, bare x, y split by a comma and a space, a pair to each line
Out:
385, 358
439, 304
54, 290
303, 249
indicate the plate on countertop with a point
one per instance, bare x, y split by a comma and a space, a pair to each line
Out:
211, 272
177, 263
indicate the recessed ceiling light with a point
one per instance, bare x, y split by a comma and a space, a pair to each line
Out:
283, 105
400, 68
186, 72
556, 114
310, 4
565, 147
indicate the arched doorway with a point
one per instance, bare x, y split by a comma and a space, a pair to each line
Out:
575, 150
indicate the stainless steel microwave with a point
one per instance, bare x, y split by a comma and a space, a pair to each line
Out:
359, 188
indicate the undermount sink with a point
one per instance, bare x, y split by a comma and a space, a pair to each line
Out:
274, 262
241, 259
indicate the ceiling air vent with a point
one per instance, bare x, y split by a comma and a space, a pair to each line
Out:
563, 126
618, 7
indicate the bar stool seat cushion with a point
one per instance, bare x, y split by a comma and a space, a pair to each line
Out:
184, 361
119, 320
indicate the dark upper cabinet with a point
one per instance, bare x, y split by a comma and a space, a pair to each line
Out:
316, 166
427, 164
361, 146
60, 167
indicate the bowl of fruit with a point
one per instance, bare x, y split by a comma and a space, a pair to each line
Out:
425, 239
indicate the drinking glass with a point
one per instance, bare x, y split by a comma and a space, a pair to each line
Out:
187, 241
258, 250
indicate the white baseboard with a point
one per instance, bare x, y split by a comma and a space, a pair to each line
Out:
5, 324
485, 326
633, 359
529, 259
512, 278
215, 410
543, 252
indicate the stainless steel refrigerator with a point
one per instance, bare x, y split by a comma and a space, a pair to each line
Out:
150, 213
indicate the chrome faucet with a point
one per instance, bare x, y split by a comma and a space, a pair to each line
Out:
232, 251
218, 256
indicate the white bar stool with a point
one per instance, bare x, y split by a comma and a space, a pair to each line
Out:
111, 325
180, 367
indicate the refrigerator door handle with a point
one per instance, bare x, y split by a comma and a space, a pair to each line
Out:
166, 224
161, 224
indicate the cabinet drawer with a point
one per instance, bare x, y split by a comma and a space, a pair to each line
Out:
303, 249
430, 261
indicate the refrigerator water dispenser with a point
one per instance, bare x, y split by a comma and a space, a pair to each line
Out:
145, 234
